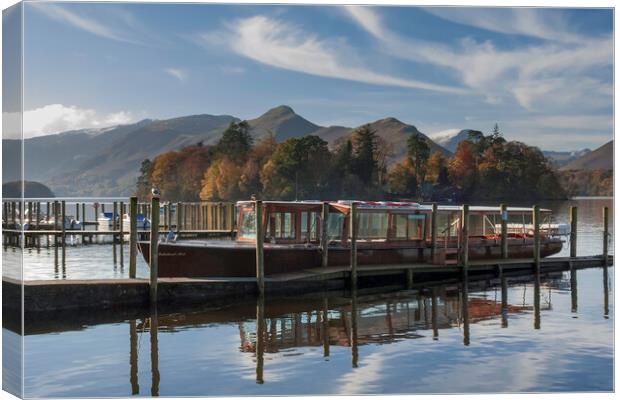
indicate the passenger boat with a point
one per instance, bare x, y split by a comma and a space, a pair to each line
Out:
388, 233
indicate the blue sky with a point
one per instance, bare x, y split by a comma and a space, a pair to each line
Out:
545, 75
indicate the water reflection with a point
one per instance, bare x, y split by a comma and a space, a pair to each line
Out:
337, 325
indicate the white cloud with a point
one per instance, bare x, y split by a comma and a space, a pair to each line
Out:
177, 73
554, 75
282, 45
93, 25
55, 118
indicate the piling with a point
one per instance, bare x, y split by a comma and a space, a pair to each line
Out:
232, 219
260, 259
62, 222
324, 234
573, 231
133, 235
114, 220
97, 216
536, 223
354, 340
465, 239
605, 234
77, 211
84, 216
504, 230
154, 247
120, 225
433, 231
178, 216
353, 237
573, 288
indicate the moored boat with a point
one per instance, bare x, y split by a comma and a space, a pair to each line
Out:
388, 233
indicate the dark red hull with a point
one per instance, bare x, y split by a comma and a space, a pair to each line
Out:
233, 259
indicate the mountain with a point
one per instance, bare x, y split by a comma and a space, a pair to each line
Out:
31, 189
450, 138
601, 158
283, 122
561, 158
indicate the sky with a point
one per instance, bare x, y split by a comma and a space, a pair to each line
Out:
544, 75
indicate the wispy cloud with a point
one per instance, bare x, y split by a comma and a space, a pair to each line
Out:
91, 24
177, 73
283, 45
553, 75
55, 118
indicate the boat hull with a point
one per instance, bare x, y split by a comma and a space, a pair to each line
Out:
232, 259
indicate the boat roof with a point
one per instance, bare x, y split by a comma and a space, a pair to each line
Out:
393, 206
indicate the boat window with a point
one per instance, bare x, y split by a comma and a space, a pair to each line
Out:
408, 226
281, 225
335, 222
372, 225
248, 225
309, 223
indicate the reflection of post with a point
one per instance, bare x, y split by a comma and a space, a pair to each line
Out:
325, 328
434, 315
605, 293
573, 288
537, 300
465, 309
504, 300
154, 353
260, 336
354, 353
133, 357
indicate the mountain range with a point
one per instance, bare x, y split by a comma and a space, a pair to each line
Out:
106, 162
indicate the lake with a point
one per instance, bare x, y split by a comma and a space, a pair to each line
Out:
523, 337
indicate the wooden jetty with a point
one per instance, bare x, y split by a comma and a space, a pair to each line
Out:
74, 294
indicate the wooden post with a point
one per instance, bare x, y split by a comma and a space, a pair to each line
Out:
154, 247
434, 312
178, 216
133, 357
354, 328
38, 215
114, 220
153, 331
573, 288
84, 216
133, 235
232, 219
504, 230
260, 338
465, 310
353, 238
77, 211
62, 222
605, 234
324, 234
504, 285
536, 223
97, 216
433, 232
120, 225
325, 327
260, 260
573, 231
465, 238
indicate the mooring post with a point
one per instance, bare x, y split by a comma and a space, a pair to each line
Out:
232, 219
133, 235
353, 238
605, 234
260, 259
154, 247
96, 216
504, 230
120, 225
38, 215
465, 239
573, 231
324, 234
114, 221
536, 223
62, 222
77, 211
433, 232
178, 216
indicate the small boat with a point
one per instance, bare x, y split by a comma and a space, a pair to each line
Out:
71, 224
388, 233
106, 219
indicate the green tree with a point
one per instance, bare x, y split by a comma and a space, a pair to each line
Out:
364, 142
143, 189
418, 151
236, 141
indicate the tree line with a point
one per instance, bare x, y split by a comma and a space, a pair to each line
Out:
483, 167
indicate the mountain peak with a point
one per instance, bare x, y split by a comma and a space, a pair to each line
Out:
280, 111
283, 122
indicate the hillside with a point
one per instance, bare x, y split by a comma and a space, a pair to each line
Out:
283, 122
601, 158
562, 158
31, 189
451, 138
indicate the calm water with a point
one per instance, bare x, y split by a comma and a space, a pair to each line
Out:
105, 260
554, 337
399, 342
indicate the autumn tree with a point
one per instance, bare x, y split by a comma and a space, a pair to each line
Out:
462, 167
437, 169
402, 179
